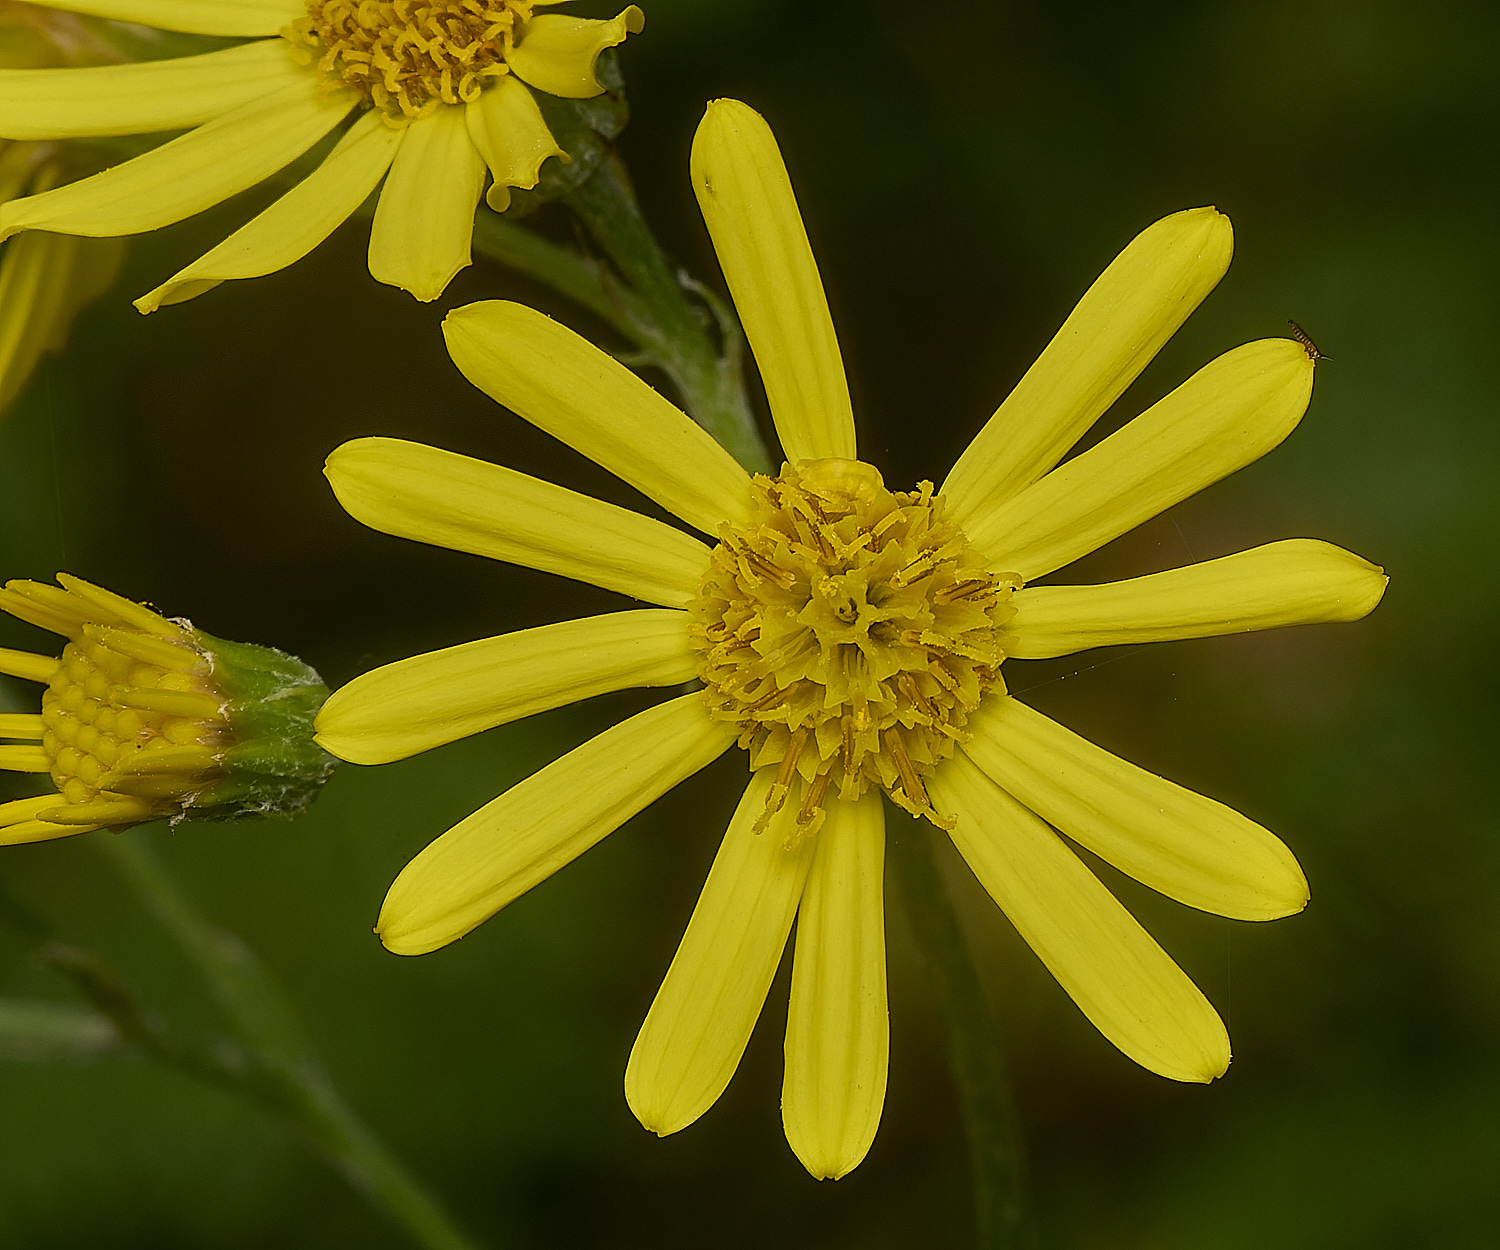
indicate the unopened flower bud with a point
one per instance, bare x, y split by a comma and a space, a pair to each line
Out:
145, 718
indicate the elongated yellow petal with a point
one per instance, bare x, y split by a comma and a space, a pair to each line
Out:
508, 129
423, 702
188, 174
546, 821
557, 54
1121, 322
24, 831
105, 606
18, 811
1230, 412
143, 96
747, 202
1122, 980
27, 665
1300, 581
1187, 846
296, 223
25, 759
193, 17
22, 725
425, 218
437, 497
563, 384
838, 1028
705, 1011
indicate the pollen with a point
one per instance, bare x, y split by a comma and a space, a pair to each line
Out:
849, 632
408, 57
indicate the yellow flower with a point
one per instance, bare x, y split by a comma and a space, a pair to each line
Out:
440, 86
45, 279
145, 718
851, 638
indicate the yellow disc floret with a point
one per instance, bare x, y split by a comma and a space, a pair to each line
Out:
849, 632
407, 57
132, 722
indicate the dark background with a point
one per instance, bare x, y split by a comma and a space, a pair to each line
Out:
966, 169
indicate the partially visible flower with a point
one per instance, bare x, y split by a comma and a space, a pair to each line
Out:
45, 279
851, 639
442, 93
145, 718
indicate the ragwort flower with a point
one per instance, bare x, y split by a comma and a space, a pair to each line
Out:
442, 89
145, 718
851, 638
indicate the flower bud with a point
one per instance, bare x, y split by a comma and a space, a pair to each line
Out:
146, 718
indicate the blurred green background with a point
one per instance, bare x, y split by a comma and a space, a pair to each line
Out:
966, 169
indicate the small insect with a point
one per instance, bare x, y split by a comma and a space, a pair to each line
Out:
1308, 345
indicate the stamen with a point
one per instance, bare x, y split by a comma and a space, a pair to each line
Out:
409, 57
876, 631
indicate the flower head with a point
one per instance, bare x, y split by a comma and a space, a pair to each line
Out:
851, 637
441, 91
144, 718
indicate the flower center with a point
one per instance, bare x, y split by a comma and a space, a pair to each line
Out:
849, 632
407, 57
133, 713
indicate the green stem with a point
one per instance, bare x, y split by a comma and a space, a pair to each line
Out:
996, 1151
283, 1074
698, 344
712, 383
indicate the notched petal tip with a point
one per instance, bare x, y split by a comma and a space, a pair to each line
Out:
559, 54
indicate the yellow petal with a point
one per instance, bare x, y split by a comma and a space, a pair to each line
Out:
26, 759
556, 54
1122, 980
297, 222
1300, 581
24, 831
1120, 323
437, 497
413, 705
563, 384
194, 17
707, 1006
838, 1028
425, 219
26, 665
752, 216
190, 173
507, 128
143, 96
18, 811
1230, 412
1187, 846
22, 725
538, 825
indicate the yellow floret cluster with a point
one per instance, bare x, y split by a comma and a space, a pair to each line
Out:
407, 57
849, 632
132, 714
